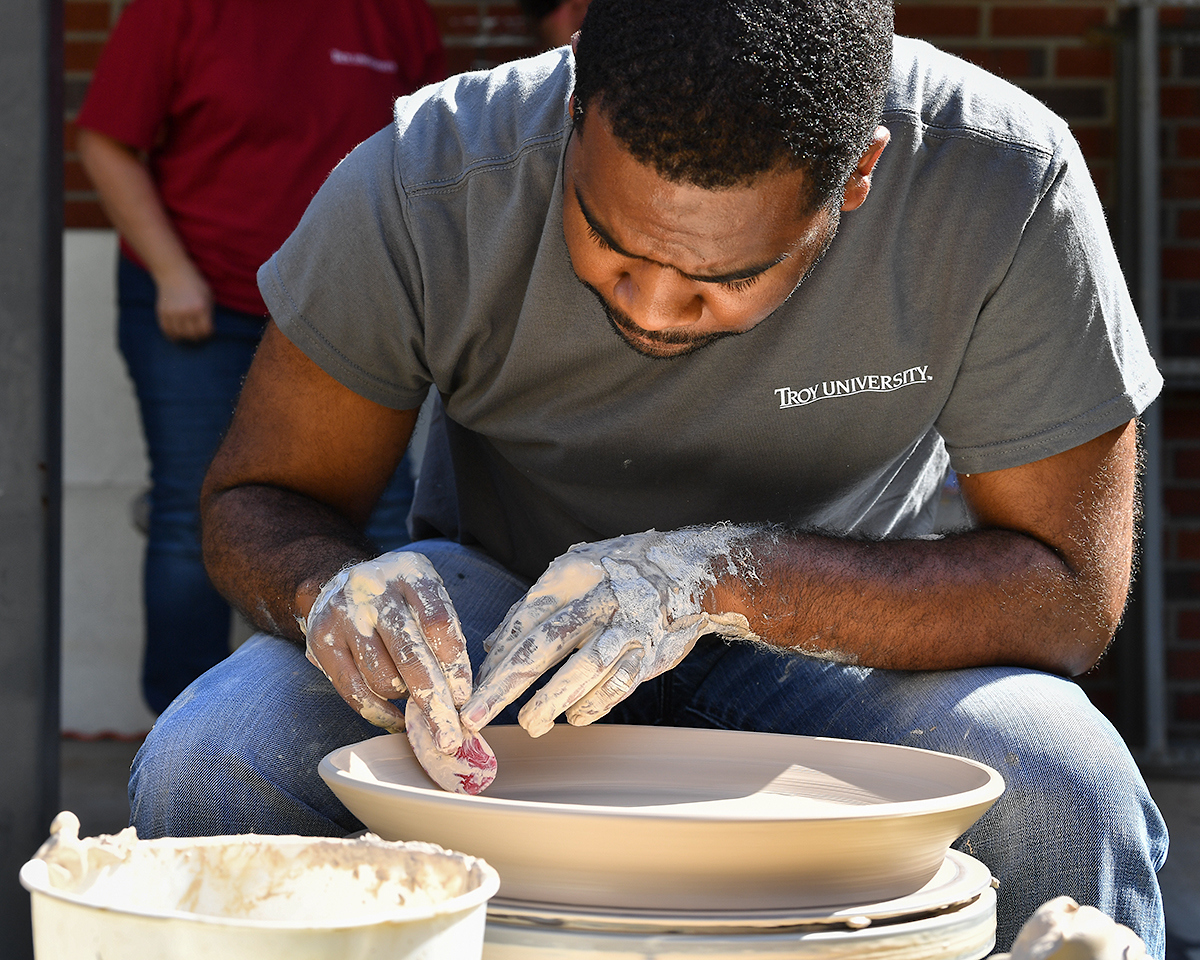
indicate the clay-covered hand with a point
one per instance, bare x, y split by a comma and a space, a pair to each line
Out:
1063, 930
385, 629
629, 608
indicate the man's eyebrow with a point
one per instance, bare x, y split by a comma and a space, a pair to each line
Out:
744, 274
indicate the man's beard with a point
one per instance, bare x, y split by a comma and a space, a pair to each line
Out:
670, 343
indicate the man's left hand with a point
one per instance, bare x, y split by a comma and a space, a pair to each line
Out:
629, 608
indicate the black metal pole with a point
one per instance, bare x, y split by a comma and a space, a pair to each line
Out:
1149, 166
31, 124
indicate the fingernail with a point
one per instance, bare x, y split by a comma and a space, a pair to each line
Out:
538, 728
447, 738
473, 714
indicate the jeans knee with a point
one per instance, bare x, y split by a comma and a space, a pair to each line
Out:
188, 786
238, 750
158, 789
1076, 817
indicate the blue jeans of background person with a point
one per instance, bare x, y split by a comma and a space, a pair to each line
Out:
238, 752
186, 394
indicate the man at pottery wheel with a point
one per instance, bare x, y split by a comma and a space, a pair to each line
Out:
709, 306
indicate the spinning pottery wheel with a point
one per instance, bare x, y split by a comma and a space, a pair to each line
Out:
734, 843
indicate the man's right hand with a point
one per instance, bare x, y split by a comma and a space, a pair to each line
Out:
385, 629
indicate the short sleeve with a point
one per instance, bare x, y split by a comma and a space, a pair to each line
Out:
1057, 356
346, 286
130, 92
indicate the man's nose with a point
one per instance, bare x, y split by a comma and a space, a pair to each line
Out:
657, 298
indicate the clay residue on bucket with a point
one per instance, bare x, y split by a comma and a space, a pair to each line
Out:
72, 863
319, 882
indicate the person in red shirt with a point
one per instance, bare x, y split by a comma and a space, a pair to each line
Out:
208, 127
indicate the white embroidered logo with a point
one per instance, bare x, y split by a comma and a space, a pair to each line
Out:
871, 383
363, 60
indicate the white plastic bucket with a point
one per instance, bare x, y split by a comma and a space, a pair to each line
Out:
254, 897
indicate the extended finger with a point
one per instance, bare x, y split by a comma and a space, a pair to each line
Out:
580, 675
621, 681
562, 615
566, 580
422, 589
421, 672
550, 640
334, 658
544, 647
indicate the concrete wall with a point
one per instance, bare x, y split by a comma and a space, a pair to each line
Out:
104, 470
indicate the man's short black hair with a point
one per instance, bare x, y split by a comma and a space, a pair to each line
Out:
716, 92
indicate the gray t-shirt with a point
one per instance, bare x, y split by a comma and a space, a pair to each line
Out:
971, 313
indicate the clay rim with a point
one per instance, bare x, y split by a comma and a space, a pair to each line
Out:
334, 768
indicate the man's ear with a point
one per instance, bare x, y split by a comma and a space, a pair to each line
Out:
574, 47
859, 184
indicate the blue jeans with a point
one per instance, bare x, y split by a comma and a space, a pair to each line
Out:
186, 394
238, 752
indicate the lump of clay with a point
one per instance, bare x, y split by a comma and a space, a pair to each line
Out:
471, 770
72, 862
1063, 930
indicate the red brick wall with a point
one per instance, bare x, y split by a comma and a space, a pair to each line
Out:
1062, 51
86, 24
1180, 144
482, 35
1181, 470
1181, 496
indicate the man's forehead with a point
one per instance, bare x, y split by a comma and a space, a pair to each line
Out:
718, 233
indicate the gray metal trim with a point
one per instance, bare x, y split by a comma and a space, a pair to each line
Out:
31, 170
1149, 298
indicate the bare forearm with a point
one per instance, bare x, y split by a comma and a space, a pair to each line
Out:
983, 597
293, 485
131, 201
130, 196
269, 551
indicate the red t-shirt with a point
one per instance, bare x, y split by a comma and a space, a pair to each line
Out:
244, 106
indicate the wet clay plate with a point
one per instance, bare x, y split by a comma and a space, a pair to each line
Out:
671, 818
